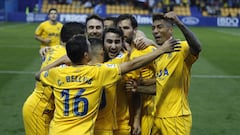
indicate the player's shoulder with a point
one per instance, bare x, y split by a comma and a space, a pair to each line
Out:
59, 23
45, 23
148, 49
184, 44
151, 47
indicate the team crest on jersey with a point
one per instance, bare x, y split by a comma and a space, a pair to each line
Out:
111, 65
46, 74
98, 65
60, 82
120, 55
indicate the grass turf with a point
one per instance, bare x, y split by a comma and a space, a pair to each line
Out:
214, 93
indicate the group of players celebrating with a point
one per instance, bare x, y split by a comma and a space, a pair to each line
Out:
105, 77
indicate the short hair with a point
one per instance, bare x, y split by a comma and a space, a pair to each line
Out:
95, 42
94, 16
130, 17
111, 18
76, 47
160, 16
115, 30
52, 9
70, 29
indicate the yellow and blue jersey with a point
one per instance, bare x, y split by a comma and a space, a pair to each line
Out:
50, 31
40, 102
106, 119
77, 92
172, 82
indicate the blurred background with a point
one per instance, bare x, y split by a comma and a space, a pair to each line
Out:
192, 12
214, 91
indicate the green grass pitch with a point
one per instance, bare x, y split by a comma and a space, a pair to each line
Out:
214, 93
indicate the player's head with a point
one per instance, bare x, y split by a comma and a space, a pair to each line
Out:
162, 28
78, 50
52, 14
97, 49
113, 42
70, 29
94, 26
109, 22
129, 25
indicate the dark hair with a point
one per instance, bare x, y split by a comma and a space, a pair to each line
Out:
160, 16
113, 19
76, 47
115, 30
52, 9
71, 28
95, 42
94, 16
130, 17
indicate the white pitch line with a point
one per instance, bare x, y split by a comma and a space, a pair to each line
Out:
193, 76
17, 72
217, 76
229, 32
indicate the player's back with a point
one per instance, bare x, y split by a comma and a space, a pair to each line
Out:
77, 92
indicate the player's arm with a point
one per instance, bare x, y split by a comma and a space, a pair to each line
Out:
137, 107
63, 60
195, 46
43, 51
43, 40
150, 90
168, 46
147, 86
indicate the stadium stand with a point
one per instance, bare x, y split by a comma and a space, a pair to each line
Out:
183, 10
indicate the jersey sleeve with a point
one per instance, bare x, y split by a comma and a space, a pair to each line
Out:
48, 77
110, 73
189, 58
39, 29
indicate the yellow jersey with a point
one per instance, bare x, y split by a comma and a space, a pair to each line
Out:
39, 106
172, 82
77, 94
50, 31
41, 95
106, 119
147, 72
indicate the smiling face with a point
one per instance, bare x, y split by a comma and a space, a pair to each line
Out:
112, 44
128, 31
162, 31
94, 28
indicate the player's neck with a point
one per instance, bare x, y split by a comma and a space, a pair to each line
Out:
53, 22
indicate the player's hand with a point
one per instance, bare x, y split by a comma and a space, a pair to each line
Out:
47, 41
131, 85
136, 127
171, 45
173, 17
43, 51
141, 43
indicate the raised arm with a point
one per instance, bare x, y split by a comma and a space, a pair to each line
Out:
168, 46
195, 46
63, 60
